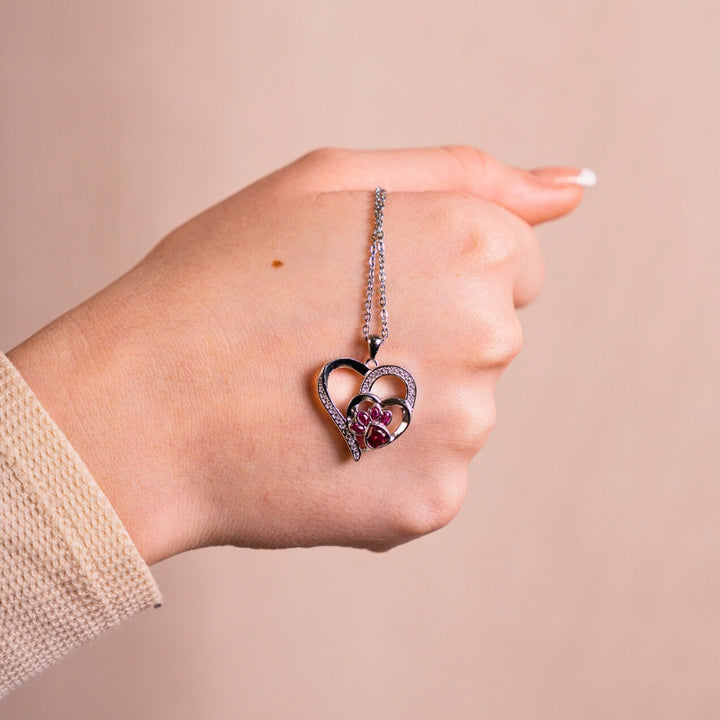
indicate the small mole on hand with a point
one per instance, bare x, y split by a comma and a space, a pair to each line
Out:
277, 263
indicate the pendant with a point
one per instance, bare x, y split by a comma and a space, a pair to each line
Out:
370, 422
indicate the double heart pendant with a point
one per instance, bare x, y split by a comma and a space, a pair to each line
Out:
369, 422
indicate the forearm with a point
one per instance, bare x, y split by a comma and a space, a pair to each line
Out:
69, 568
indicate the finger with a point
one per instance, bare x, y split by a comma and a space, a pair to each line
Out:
468, 237
530, 271
523, 246
535, 196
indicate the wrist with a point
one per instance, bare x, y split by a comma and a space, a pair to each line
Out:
81, 377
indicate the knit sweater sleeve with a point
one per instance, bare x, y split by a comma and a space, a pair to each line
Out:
68, 568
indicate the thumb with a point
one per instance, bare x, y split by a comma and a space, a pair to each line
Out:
535, 196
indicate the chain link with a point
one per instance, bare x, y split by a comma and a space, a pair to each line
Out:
376, 267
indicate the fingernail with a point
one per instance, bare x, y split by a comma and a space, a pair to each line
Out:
584, 177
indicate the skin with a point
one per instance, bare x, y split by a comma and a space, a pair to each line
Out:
188, 385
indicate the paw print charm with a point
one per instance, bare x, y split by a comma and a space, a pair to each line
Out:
372, 422
370, 426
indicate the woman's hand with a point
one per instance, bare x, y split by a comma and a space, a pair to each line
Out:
188, 385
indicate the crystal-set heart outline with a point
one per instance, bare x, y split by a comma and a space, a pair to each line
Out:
364, 394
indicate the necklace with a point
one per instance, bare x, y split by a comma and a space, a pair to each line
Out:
371, 422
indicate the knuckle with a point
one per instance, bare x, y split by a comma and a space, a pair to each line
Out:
469, 158
445, 502
465, 226
323, 157
439, 503
471, 233
501, 343
484, 235
474, 421
500, 246
476, 232
380, 546
469, 415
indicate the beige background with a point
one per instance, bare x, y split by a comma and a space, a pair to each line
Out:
581, 578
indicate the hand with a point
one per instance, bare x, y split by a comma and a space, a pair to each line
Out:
188, 385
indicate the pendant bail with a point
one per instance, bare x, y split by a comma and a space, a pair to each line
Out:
374, 342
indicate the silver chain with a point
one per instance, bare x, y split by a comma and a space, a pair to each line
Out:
376, 266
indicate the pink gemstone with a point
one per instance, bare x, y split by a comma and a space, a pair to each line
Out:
377, 437
357, 428
363, 418
375, 413
386, 418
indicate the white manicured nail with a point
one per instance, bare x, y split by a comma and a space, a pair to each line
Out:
585, 178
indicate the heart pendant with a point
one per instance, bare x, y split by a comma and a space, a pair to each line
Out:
369, 422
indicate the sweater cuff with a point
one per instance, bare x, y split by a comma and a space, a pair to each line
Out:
68, 568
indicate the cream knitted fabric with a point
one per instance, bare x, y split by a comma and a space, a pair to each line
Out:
68, 569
